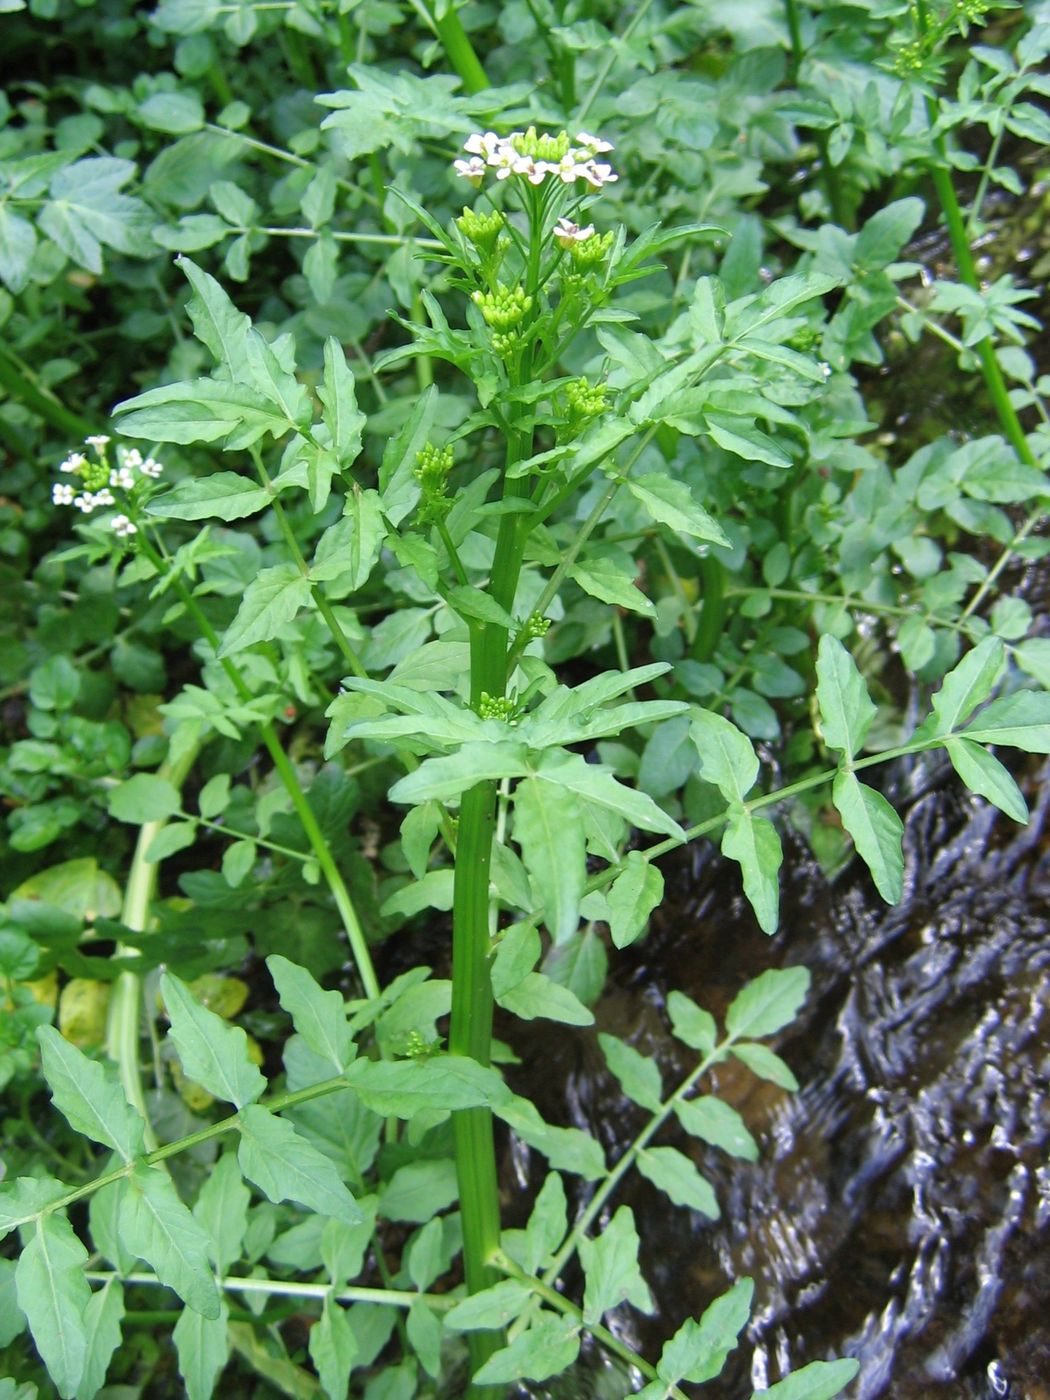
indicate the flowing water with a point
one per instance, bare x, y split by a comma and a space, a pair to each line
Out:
900, 1208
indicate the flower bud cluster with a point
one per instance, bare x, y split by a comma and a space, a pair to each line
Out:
504, 308
96, 480
537, 626
536, 156
483, 230
585, 400
496, 707
433, 465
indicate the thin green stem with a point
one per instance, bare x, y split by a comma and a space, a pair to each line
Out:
316, 592
287, 774
609, 62
545, 1293
281, 1288
24, 388
940, 171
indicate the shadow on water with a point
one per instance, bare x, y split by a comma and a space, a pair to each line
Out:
900, 1208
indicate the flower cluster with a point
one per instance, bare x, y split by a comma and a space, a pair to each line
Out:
433, 465
536, 156
585, 400
96, 480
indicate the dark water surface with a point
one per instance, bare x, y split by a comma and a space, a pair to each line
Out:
900, 1208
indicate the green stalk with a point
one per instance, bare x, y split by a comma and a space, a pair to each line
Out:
470, 1031
956, 225
287, 774
42, 402
458, 48
125, 1003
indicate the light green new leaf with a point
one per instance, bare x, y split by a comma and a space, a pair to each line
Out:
203, 1348
639, 1077
333, 1349
1020, 721
425, 1333
567, 1149
548, 828
17, 246
968, 685
476, 603
743, 438
89, 1095
671, 503
342, 417
443, 778
716, 1122
545, 1349
221, 496
846, 709
222, 1209
1033, 656
349, 549
419, 1190
54, 1295
272, 598
216, 321
404, 1088
691, 1024
319, 1016
632, 897
286, 1167
984, 774
767, 1064
490, 1309
876, 829
604, 578
204, 410
213, 1054
143, 798
537, 995
768, 1003
155, 1225
102, 1319
547, 1224
397, 484
727, 756
754, 843
610, 1266
698, 1350
594, 783
677, 1177
820, 1380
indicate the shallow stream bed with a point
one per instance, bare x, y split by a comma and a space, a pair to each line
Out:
900, 1208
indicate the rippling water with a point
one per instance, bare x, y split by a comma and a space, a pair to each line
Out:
900, 1209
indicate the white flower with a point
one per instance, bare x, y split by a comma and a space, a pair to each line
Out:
123, 477
62, 493
482, 145
472, 169
123, 526
86, 502
567, 233
132, 457
151, 467
98, 441
105, 497
594, 143
597, 173
73, 462
825, 369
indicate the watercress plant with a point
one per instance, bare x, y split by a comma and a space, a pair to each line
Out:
548, 599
